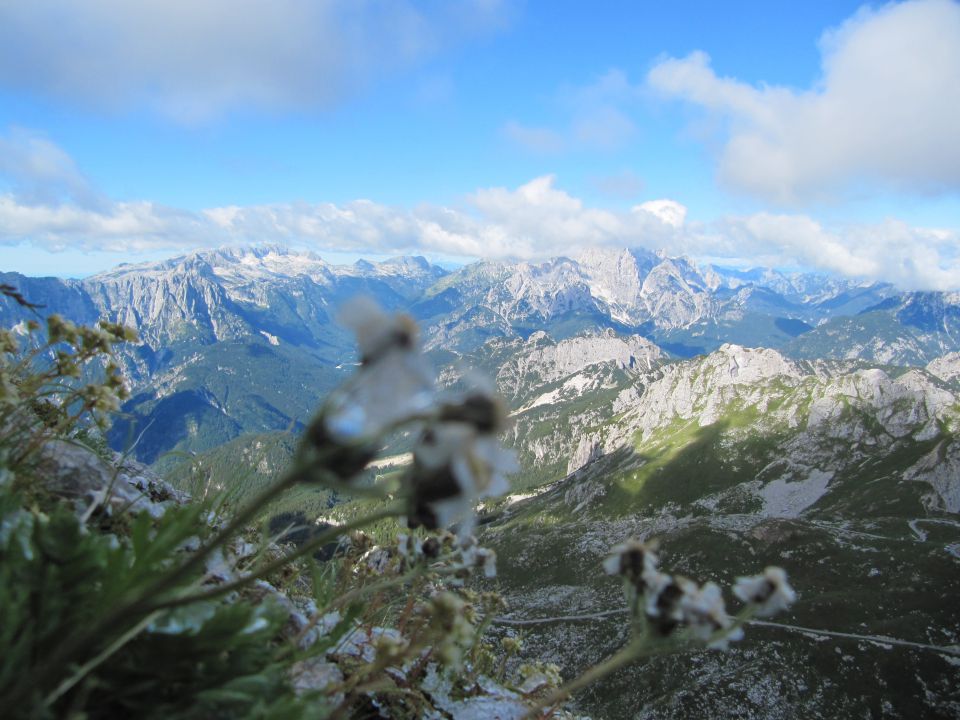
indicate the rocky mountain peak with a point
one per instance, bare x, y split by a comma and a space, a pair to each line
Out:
740, 365
550, 361
947, 367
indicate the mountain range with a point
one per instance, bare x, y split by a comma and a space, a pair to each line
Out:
214, 323
742, 417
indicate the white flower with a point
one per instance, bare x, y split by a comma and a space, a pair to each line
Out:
480, 406
705, 614
394, 381
769, 592
634, 560
665, 600
377, 332
475, 556
453, 467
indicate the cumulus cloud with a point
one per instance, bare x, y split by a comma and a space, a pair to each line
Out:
192, 61
539, 219
535, 220
670, 212
885, 112
909, 257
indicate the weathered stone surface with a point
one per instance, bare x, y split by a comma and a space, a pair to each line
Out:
946, 367
76, 473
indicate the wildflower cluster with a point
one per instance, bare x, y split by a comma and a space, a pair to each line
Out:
48, 384
662, 604
457, 459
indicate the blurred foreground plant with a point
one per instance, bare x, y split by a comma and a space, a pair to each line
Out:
149, 620
673, 614
173, 616
59, 384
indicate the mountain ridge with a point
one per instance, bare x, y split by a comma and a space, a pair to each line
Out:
213, 322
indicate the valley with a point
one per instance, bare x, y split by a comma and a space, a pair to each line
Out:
741, 418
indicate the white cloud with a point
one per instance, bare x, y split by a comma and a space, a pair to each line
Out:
538, 219
194, 60
539, 140
885, 114
909, 257
535, 220
670, 212
594, 117
36, 171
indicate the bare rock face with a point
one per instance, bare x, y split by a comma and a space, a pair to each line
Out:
72, 471
940, 468
76, 473
822, 421
616, 276
637, 286
947, 367
703, 388
587, 450
542, 361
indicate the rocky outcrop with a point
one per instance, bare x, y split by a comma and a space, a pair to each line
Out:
702, 389
940, 468
541, 361
76, 473
586, 451
947, 367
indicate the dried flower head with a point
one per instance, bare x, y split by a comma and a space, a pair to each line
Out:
449, 627
359, 542
9, 393
431, 548
389, 647
100, 398
769, 592
94, 340
119, 332
60, 330
511, 645
8, 343
341, 458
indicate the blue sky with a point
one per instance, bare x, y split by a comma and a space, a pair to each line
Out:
817, 134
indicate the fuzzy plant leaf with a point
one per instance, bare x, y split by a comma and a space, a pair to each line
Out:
201, 660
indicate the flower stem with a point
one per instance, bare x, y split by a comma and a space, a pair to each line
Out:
634, 650
313, 544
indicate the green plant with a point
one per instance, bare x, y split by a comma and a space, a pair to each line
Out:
165, 616
50, 387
